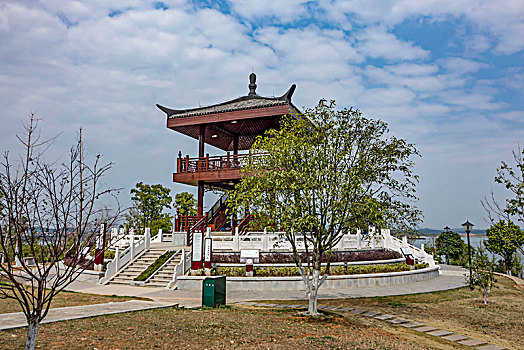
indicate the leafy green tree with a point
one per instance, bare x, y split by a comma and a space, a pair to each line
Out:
458, 249
483, 272
504, 238
186, 203
149, 202
512, 178
320, 175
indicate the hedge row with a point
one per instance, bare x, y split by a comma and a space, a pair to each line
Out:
275, 258
293, 270
154, 266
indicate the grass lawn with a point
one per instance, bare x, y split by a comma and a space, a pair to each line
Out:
210, 329
460, 311
63, 299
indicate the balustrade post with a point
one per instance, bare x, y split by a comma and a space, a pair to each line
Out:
207, 162
359, 239
404, 242
228, 161
187, 163
132, 245
147, 238
265, 241
236, 240
117, 259
161, 235
183, 261
121, 235
179, 162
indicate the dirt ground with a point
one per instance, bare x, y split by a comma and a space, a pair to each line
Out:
460, 311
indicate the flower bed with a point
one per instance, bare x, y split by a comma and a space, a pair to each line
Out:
293, 270
276, 258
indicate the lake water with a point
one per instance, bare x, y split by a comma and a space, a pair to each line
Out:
475, 241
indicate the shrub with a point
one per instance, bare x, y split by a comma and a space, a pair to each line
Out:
154, 266
276, 258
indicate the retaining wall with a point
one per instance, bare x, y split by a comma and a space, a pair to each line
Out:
296, 283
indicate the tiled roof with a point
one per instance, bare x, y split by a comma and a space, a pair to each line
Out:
242, 103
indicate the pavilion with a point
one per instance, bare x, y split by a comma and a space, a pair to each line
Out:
230, 126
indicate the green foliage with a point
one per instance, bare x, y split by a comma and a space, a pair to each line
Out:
154, 266
186, 203
326, 172
504, 238
458, 249
288, 271
483, 272
149, 202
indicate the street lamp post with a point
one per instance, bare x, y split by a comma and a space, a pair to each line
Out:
447, 229
467, 227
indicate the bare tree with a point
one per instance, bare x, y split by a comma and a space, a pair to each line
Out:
48, 212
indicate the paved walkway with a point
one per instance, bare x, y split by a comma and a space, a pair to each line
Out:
18, 320
393, 319
451, 277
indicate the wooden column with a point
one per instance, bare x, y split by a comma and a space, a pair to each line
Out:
200, 196
235, 144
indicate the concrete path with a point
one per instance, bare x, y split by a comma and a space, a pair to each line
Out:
415, 326
451, 277
18, 320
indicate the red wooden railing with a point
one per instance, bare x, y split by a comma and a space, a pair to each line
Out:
185, 222
207, 163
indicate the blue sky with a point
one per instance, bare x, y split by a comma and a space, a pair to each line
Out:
446, 75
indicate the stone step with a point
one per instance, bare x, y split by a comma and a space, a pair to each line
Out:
164, 281
154, 284
119, 282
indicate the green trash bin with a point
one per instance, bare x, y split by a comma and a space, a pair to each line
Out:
214, 291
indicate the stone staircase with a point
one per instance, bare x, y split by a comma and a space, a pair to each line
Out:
132, 270
165, 274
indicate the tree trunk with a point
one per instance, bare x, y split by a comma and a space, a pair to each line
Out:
485, 298
312, 293
32, 332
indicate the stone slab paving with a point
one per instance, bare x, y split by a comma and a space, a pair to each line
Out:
455, 337
412, 324
371, 313
331, 308
18, 320
419, 327
439, 333
346, 309
398, 321
358, 311
472, 342
385, 317
490, 347
426, 329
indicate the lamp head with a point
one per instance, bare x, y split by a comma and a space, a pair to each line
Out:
468, 226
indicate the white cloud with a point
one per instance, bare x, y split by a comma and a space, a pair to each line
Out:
376, 42
284, 11
458, 65
505, 21
106, 73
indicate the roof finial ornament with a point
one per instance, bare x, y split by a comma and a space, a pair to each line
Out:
252, 85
